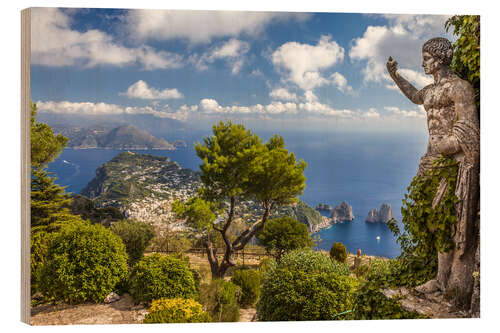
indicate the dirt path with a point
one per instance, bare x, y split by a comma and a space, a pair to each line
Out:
433, 305
122, 311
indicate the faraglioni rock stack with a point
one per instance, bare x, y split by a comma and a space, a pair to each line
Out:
341, 213
384, 215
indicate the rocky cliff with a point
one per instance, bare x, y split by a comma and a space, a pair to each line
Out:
305, 214
384, 215
341, 213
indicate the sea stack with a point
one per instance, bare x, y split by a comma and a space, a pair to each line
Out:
341, 213
384, 215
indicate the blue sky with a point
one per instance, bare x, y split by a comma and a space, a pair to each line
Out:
300, 70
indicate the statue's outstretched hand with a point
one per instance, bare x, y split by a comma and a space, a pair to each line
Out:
392, 66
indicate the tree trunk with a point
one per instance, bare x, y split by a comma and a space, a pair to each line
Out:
219, 269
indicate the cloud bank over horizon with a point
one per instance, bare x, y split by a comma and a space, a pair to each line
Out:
232, 65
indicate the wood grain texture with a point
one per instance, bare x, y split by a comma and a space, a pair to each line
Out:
25, 163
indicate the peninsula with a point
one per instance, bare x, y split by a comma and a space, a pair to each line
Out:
121, 137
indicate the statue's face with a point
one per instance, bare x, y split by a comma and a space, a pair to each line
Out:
429, 63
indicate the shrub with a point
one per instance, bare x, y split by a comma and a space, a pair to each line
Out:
371, 303
39, 246
136, 237
176, 310
290, 294
361, 271
282, 235
265, 265
220, 298
338, 252
249, 282
309, 260
306, 285
158, 276
84, 262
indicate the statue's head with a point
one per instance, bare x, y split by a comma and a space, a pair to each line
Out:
436, 52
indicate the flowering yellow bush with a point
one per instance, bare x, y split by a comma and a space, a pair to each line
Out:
176, 310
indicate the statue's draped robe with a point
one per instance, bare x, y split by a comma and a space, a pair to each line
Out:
455, 267
467, 188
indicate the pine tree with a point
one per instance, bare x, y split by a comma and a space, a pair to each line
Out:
49, 203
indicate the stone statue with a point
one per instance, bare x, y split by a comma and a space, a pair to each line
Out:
453, 126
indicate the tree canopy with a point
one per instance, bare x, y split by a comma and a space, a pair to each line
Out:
238, 166
284, 234
466, 59
45, 146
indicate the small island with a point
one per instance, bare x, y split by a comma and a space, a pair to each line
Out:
382, 216
342, 213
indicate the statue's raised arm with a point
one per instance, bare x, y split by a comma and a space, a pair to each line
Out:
406, 87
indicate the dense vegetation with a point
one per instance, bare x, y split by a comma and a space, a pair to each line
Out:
221, 299
236, 167
249, 282
157, 276
466, 58
176, 310
84, 262
282, 235
426, 230
306, 285
338, 252
136, 236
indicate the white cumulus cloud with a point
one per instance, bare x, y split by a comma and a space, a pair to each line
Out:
282, 94
141, 90
402, 38
233, 51
201, 26
419, 113
339, 81
371, 113
96, 109
55, 44
302, 64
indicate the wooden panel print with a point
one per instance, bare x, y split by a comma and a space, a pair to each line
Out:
222, 166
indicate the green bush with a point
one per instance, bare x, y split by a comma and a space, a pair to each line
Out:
84, 262
136, 236
249, 282
309, 260
158, 276
220, 298
306, 285
265, 265
176, 310
338, 252
289, 294
371, 303
282, 235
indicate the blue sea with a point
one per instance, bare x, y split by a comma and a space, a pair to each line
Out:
364, 169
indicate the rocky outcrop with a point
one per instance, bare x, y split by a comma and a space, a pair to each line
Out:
324, 207
341, 213
305, 214
384, 215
